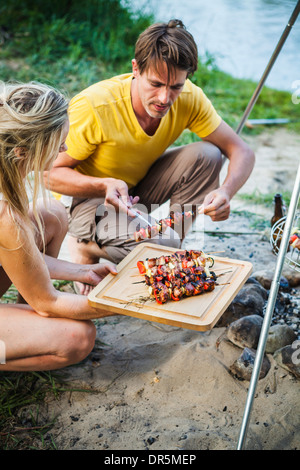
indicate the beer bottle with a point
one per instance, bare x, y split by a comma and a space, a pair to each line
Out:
279, 212
279, 209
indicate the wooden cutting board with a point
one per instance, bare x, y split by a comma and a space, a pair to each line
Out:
123, 294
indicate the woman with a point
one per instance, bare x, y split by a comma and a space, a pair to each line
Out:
51, 329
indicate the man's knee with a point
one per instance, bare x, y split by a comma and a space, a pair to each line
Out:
54, 215
205, 168
82, 217
208, 156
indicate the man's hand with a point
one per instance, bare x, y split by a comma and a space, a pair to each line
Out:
241, 161
115, 191
117, 196
216, 204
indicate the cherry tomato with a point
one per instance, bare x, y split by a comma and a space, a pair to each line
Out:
184, 263
143, 233
156, 295
293, 238
141, 267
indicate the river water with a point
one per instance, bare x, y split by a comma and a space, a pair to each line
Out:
240, 34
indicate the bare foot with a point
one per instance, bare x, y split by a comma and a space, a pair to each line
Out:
82, 289
84, 253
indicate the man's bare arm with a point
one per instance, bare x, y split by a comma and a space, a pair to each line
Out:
63, 179
241, 162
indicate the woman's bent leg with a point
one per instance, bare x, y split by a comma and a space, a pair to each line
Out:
30, 342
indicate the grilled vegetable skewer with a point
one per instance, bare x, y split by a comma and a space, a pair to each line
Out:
161, 226
181, 274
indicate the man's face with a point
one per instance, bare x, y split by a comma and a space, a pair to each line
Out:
154, 91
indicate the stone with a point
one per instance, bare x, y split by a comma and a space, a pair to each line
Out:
245, 331
250, 300
292, 276
278, 337
242, 368
265, 278
257, 287
252, 280
288, 358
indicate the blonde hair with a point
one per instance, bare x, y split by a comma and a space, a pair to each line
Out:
32, 117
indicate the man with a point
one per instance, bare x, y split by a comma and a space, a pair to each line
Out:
119, 150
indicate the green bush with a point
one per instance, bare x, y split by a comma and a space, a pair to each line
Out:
49, 30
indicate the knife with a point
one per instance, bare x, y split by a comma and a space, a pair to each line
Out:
140, 216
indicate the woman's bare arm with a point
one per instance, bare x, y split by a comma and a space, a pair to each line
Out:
28, 270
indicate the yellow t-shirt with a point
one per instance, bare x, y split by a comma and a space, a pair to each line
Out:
107, 138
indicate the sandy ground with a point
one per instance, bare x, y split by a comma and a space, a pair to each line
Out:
159, 387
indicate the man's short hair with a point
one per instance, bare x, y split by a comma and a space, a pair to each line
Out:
167, 42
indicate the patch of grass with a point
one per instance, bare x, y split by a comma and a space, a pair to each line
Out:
22, 426
230, 96
23, 422
256, 222
66, 74
11, 295
264, 199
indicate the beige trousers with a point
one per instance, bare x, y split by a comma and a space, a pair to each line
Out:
182, 175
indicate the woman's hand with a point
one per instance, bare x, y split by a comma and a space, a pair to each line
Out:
94, 273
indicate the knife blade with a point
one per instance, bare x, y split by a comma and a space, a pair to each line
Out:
140, 216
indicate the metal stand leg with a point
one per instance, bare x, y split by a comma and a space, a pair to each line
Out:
269, 310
